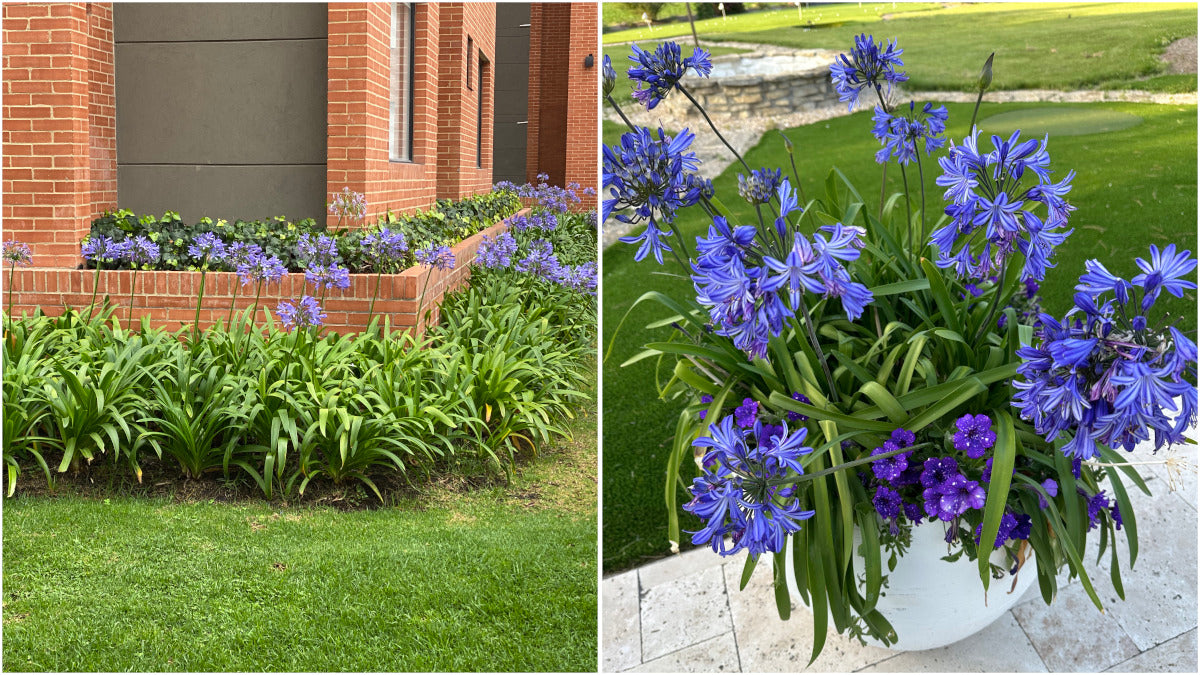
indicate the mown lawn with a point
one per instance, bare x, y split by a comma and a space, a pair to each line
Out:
493, 579
1134, 187
1046, 45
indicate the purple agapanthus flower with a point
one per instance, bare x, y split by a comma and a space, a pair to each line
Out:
609, 76
383, 247
868, 65
305, 314
260, 267
496, 253
17, 253
99, 248
759, 187
327, 276
139, 251
239, 253
746, 413
207, 248
736, 497
991, 197
901, 134
318, 250
974, 435
657, 73
348, 203
439, 257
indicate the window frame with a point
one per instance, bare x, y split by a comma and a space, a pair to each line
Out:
404, 155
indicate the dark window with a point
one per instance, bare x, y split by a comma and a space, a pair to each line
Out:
470, 58
403, 57
479, 128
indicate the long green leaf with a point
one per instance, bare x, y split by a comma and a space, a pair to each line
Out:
1003, 459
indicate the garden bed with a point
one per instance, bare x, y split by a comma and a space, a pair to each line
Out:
168, 298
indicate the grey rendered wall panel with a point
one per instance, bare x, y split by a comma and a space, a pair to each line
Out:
512, 92
230, 192
221, 109
191, 21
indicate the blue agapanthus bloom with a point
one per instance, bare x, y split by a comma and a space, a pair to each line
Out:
260, 267
99, 248
138, 251
318, 250
302, 315
17, 253
241, 252
383, 246
991, 199
539, 260
657, 73
545, 221
207, 248
496, 253
327, 276
1114, 374
609, 76
760, 186
736, 497
868, 65
440, 257
746, 299
901, 134
649, 179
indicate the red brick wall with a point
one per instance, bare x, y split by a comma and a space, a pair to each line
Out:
563, 94
169, 298
444, 110
458, 105
59, 136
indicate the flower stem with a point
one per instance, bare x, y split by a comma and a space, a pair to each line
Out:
812, 337
712, 126
132, 285
978, 100
371, 309
995, 301
619, 112
232, 304
11, 273
882, 192
95, 287
907, 213
921, 177
199, 302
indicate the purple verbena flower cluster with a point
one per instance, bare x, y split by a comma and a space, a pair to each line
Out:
745, 299
1111, 377
974, 435
657, 73
900, 134
988, 197
737, 495
869, 65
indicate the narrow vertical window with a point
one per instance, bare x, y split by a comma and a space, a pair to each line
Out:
470, 58
403, 50
479, 115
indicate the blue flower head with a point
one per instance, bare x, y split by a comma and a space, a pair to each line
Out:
868, 65
901, 134
760, 186
735, 496
656, 74
992, 196
302, 315
207, 248
17, 253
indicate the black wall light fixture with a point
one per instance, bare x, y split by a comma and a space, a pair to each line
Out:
589, 61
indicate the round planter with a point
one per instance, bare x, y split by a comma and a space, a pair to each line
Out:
932, 603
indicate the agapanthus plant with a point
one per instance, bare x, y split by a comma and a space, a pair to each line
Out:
383, 250
16, 254
207, 249
138, 252
656, 74
832, 318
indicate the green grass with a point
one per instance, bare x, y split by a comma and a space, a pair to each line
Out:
1059, 46
498, 579
749, 22
1134, 187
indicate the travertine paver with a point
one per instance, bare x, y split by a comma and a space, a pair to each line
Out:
683, 612
767, 644
1001, 647
717, 655
1072, 635
1174, 656
622, 647
673, 567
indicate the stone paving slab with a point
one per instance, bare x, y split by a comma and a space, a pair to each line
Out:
717, 655
683, 612
1177, 655
1002, 647
1061, 631
622, 631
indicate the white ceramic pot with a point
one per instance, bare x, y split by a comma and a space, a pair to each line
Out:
932, 603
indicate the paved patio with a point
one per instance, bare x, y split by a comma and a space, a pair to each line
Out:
685, 614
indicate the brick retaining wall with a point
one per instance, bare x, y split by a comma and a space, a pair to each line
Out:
169, 298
